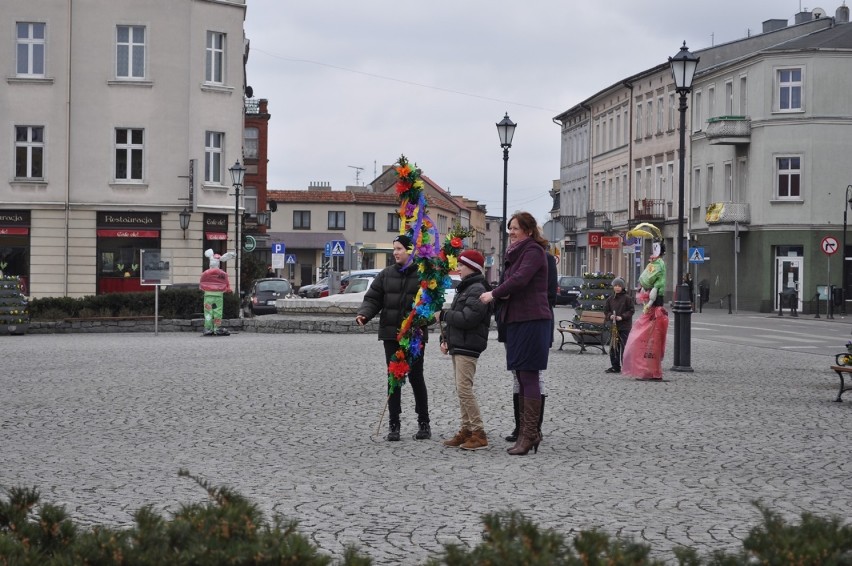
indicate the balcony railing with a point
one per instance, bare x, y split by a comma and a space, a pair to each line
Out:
252, 106
727, 213
649, 209
728, 130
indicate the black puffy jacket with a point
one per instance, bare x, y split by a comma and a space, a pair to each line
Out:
392, 292
468, 321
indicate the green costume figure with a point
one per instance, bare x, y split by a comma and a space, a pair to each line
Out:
653, 278
214, 282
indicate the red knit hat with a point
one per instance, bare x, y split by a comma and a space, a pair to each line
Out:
472, 259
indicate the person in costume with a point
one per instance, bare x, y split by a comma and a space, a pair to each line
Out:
618, 310
214, 282
646, 344
465, 337
392, 293
526, 314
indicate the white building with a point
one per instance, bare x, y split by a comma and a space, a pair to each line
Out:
115, 116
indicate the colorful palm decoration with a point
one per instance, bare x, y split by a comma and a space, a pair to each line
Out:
434, 261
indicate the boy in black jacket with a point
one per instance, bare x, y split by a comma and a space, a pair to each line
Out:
465, 337
618, 310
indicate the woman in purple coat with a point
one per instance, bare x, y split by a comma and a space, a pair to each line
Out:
524, 310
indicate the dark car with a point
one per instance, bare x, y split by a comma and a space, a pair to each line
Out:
568, 290
263, 294
312, 290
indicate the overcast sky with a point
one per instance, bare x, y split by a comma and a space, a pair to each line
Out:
356, 83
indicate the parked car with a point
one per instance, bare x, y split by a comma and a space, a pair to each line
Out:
263, 294
344, 280
354, 292
450, 293
312, 291
568, 290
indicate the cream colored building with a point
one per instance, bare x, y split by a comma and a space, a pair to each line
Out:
119, 115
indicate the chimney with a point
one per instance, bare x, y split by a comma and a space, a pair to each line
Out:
773, 25
841, 16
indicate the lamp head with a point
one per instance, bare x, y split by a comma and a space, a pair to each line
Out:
506, 131
683, 66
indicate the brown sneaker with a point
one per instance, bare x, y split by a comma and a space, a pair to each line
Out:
459, 439
476, 441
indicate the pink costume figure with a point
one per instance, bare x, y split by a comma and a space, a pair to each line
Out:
215, 283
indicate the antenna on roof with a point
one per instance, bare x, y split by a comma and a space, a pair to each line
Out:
357, 173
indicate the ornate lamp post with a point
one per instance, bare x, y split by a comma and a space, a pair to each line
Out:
237, 172
184, 217
506, 130
843, 250
683, 70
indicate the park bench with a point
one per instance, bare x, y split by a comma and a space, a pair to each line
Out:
589, 330
841, 369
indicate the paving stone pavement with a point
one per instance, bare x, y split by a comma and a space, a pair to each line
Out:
102, 423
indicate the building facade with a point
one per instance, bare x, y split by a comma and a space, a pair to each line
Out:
119, 115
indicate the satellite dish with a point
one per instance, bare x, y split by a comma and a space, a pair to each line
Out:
818, 13
249, 92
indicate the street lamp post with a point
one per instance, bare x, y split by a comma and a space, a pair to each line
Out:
683, 70
237, 172
506, 130
843, 251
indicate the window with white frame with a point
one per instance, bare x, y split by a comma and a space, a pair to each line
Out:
612, 141
789, 175
442, 224
250, 201
661, 113
130, 52
672, 111
251, 139
711, 182
711, 102
729, 98
214, 143
789, 89
650, 118
639, 183
696, 188
729, 181
29, 152
30, 49
743, 97
129, 153
214, 72
659, 182
638, 120
697, 122
618, 135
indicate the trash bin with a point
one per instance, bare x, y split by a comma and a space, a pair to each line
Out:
704, 293
789, 298
837, 296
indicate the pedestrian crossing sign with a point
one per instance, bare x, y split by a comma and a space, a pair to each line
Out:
696, 255
338, 247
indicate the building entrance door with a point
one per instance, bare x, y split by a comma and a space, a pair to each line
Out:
788, 279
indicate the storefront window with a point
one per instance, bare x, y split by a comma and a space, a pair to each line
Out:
121, 236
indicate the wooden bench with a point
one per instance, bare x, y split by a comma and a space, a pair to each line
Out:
589, 330
841, 370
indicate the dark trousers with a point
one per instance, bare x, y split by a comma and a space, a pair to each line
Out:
617, 354
418, 386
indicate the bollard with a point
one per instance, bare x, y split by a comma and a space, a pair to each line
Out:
729, 304
816, 298
780, 304
829, 303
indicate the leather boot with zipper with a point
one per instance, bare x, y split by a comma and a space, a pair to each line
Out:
529, 436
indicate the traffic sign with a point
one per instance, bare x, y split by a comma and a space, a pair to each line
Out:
829, 245
291, 259
338, 247
696, 255
278, 248
278, 261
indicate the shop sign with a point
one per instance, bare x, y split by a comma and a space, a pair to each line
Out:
216, 235
14, 231
595, 239
14, 218
128, 233
129, 220
610, 242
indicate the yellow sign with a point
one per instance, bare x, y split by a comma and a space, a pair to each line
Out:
714, 212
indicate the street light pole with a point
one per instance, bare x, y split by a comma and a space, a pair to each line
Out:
843, 252
237, 172
506, 131
683, 70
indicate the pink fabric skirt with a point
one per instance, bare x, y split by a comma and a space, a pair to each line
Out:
646, 345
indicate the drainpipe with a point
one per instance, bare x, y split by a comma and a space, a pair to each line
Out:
68, 145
